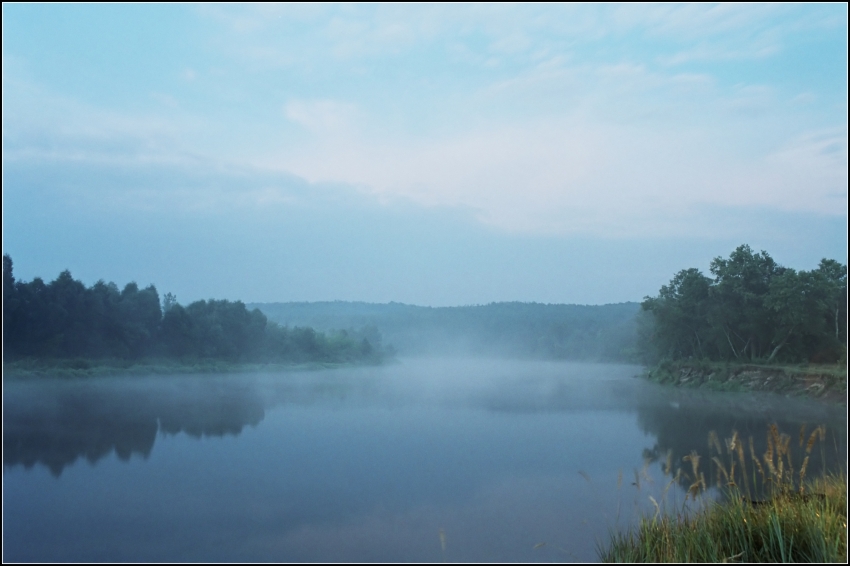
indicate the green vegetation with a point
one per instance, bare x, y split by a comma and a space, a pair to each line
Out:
63, 327
770, 512
81, 367
753, 310
826, 381
785, 529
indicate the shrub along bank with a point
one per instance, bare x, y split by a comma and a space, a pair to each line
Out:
827, 381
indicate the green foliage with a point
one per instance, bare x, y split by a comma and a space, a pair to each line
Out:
752, 310
64, 320
787, 529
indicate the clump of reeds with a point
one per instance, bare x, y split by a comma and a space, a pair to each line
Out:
791, 519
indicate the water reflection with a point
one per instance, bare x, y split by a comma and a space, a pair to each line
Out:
684, 421
55, 423
365, 464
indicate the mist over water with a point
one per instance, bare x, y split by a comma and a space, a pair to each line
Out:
362, 464
485, 202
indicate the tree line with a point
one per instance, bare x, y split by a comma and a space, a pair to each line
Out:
752, 309
66, 319
508, 329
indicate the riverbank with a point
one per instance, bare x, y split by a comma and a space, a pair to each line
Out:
81, 368
766, 511
827, 382
808, 526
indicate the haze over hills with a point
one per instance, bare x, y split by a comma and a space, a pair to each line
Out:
551, 331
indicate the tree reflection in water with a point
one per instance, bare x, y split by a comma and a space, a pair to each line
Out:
54, 426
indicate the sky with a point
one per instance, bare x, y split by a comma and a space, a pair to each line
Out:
432, 155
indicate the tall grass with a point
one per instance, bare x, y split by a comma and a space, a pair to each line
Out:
770, 511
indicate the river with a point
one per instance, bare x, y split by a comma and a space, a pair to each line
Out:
423, 460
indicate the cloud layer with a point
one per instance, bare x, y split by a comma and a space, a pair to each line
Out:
572, 126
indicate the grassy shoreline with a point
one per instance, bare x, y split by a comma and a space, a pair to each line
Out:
794, 527
81, 368
828, 382
789, 518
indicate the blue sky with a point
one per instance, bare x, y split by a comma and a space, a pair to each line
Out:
435, 155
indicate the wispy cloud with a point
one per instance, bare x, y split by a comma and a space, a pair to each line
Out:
51, 126
554, 120
321, 117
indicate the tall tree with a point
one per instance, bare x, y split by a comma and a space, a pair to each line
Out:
753, 309
680, 315
740, 285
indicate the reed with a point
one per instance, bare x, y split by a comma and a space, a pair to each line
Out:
798, 520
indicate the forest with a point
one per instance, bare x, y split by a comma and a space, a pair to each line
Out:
507, 329
64, 319
751, 309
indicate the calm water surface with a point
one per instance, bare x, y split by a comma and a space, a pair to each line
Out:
425, 460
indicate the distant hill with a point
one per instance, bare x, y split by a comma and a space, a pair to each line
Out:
579, 332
